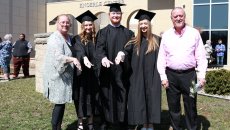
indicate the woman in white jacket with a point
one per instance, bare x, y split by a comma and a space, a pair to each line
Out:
59, 69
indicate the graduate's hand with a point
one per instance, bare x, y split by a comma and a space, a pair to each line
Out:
165, 83
77, 63
87, 62
120, 57
106, 63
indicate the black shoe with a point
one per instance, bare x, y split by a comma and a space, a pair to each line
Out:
27, 76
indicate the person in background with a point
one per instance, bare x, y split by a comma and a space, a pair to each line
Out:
58, 69
114, 79
87, 85
181, 51
144, 97
5, 56
220, 50
208, 49
21, 56
1, 71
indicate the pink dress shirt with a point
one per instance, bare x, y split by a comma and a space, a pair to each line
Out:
181, 52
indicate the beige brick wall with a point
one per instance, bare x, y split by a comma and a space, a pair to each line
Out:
22, 16
161, 21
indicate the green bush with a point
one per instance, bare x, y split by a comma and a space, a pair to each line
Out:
218, 82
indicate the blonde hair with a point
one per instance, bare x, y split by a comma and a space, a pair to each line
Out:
152, 42
8, 37
67, 15
85, 37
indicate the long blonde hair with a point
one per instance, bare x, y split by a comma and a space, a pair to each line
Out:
85, 37
152, 42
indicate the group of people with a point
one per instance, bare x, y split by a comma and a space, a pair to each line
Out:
219, 50
119, 76
20, 51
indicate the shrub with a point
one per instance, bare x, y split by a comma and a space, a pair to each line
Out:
218, 82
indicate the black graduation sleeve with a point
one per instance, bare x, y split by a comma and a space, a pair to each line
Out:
101, 45
80, 52
128, 49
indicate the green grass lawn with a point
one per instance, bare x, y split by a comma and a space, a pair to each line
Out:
21, 108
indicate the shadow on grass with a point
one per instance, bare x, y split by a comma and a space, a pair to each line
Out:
165, 122
203, 123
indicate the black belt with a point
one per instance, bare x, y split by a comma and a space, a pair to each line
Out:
21, 56
180, 71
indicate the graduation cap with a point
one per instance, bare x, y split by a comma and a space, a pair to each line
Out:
115, 7
86, 16
143, 14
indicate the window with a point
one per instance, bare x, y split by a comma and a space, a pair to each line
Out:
201, 16
201, 1
205, 36
212, 17
219, 16
217, 1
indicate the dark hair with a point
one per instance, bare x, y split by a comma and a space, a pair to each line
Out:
0, 39
23, 34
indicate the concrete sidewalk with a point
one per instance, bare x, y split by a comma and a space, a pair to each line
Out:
21, 75
31, 70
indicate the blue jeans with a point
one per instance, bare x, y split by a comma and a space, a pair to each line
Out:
219, 60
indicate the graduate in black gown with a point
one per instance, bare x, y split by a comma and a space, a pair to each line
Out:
84, 93
113, 78
144, 97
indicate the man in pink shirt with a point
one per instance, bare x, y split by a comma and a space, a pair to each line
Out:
181, 51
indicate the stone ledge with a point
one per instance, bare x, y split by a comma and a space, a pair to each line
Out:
201, 92
41, 40
42, 35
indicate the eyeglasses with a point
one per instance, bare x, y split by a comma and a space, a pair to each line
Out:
115, 13
176, 16
64, 22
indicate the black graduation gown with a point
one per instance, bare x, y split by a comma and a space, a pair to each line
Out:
114, 80
144, 97
87, 84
